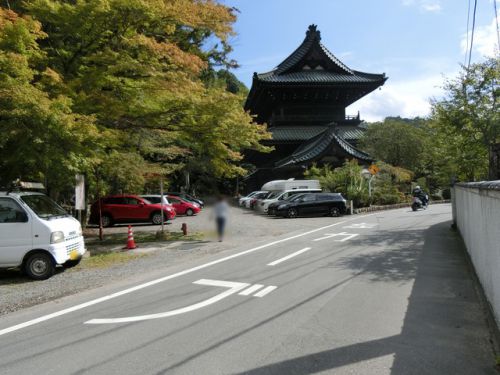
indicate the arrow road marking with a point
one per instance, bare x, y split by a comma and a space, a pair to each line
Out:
347, 236
361, 226
289, 256
234, 287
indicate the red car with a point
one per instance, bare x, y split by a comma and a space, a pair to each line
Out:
183, 207
127, 209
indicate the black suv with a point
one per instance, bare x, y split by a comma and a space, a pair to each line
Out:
332, 204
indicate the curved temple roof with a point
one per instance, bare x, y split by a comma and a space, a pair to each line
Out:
319, 145
326, 67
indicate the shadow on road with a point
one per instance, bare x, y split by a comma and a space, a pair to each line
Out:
444, 330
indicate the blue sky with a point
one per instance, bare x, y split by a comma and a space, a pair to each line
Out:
415, 42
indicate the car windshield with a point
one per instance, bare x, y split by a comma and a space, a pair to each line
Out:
273, 195
43, 206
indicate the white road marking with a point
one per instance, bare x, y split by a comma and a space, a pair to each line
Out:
265, 291
360, 226
347, 236
160, 280
250, 290
234, 287
289, 256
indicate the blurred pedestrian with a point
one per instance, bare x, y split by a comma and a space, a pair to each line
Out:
221, 209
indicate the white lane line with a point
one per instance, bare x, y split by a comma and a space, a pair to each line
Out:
289, 256
265, 291
234, 287
160, 280
330, 235
347, 238
250, 290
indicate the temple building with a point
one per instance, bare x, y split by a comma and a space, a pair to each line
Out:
303, 101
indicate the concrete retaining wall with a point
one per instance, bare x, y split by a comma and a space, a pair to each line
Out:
476, 213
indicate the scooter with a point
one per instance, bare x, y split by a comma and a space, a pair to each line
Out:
418, 203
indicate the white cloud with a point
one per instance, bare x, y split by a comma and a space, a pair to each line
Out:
485, 40
402, 98
424, 5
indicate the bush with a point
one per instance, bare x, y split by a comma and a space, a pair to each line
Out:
381, 198
446, 193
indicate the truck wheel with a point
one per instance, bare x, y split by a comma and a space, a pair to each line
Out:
189, 212
292, 213
335, 212
39, 266
156, 218
106, 220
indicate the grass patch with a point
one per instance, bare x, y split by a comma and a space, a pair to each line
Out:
143, 237
109, 259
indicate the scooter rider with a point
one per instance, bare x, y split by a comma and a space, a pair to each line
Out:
420, 194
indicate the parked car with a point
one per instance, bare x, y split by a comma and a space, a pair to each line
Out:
189, 198
253, 201
156, 199
276, 196
128, 209
242, 201
271, 210
183, 207
37, 234
332, 204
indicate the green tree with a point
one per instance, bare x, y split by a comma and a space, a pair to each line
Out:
396, 141
468, 120
135, 70
347, 179
41, 138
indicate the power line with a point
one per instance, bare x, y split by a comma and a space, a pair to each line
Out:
472, 33
496, 20
467, 42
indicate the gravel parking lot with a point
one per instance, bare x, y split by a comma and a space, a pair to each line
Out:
245, 228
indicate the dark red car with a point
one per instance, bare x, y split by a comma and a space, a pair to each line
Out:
128, 209
183, 207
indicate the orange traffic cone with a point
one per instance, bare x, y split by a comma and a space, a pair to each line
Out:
130, 239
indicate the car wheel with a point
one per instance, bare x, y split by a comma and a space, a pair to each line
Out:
39, 266
335, 212
72, 263
292, 213
189, 212
106, 221
156, 218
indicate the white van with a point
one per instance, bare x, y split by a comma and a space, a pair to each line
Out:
290, 184
37, 234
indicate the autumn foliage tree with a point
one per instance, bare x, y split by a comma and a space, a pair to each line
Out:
135, 72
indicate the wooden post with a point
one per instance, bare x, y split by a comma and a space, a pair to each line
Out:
161, 204
100, 210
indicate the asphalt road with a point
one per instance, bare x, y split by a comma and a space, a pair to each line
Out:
386, 293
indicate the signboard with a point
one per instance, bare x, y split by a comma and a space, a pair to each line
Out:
80, 192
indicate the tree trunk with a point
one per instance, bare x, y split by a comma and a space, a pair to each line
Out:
494, 162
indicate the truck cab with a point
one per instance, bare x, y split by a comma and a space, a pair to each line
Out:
36, 234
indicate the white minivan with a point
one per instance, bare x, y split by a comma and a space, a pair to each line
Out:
37, 234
